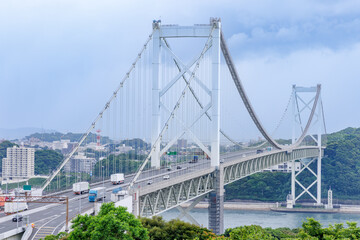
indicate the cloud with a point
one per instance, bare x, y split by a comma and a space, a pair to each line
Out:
61, 59
272, 77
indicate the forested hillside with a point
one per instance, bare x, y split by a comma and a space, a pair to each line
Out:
340, 171
47, 161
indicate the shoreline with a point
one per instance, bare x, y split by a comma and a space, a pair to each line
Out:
266, 206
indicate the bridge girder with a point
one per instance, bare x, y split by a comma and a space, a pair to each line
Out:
166, 195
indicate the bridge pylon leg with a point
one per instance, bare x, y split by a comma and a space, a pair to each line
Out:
155, 158
216, 204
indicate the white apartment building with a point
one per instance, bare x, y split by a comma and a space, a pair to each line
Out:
19, 163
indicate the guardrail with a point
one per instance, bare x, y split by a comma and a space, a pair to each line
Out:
27, 233
11, 233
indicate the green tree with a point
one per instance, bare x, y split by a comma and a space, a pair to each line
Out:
174, 229
111, 223
46, 161
312, 228
60, 236
248, 232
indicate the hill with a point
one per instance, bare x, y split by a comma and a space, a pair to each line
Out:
340, 172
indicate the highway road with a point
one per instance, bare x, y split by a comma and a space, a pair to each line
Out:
50, 218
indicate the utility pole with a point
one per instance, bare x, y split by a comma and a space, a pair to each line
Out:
103, 184
80, 194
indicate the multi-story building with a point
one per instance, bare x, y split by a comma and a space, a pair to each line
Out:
80, 163
19, 163
182, 143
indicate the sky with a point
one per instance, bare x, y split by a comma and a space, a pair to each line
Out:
61, 60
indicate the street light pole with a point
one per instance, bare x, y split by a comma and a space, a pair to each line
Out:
17, 207
103, 183
80, 194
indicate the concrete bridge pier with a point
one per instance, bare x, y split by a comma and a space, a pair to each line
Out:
216, 203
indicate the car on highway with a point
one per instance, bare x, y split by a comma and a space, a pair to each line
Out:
169, 169
149, 182
166, 177
17, 218
178, 167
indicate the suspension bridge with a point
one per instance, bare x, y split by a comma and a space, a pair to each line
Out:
169, 107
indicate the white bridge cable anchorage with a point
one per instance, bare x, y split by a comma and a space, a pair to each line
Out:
171, 116
99, 116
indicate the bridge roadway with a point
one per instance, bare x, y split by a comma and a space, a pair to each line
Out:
51, 217
157, 198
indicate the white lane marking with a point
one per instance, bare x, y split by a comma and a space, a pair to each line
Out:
54, 216
57, 227
39, 230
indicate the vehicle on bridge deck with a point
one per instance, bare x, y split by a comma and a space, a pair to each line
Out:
14, 206
166, 177
97, 194
81, 187
195, 159
117, 178
259, 151
17, 218
118, 194
2, 203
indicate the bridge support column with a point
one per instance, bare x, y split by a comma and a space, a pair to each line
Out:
216, 204
136, 203
155, 158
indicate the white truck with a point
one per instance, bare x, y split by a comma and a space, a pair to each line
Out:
14, 206
117, 178
118, 194
81, 187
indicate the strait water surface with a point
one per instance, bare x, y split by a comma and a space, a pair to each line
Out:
235, 218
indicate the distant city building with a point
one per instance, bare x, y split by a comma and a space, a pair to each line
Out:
19, 163
60, 145
80, 163
93, 146
123, 149
181, 143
